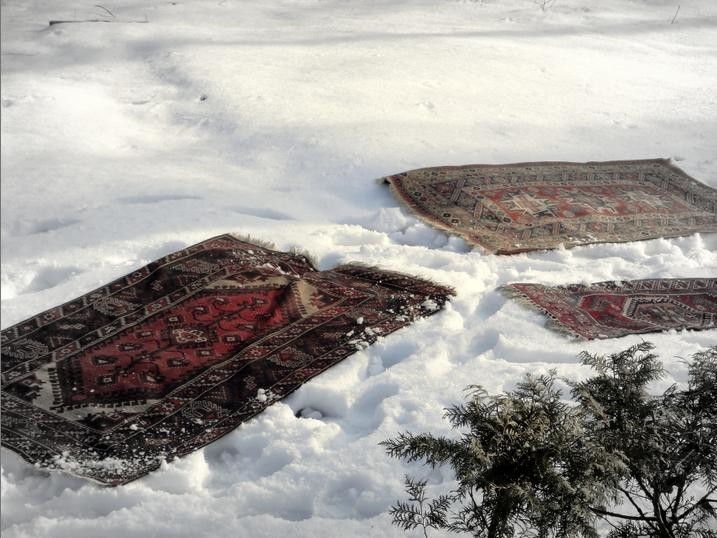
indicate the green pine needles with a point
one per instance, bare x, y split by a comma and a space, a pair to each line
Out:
529, 464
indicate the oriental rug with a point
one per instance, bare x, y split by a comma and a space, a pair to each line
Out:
180, 352
514, 208
612, 309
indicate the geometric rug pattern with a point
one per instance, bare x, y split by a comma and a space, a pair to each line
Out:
169, 358
513, 208
612, 309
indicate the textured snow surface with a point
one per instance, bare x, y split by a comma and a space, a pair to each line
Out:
123, 142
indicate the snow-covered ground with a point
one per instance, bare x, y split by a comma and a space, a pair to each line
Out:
122, 142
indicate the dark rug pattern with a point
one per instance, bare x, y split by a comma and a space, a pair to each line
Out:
613, 309
180, 352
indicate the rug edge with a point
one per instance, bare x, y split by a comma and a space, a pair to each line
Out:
427, 217
510, 291
445, 290
661, 160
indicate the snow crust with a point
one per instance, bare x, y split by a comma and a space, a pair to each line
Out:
125, 141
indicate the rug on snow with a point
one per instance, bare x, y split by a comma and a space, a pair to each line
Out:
175, 355
514, 208
612, 309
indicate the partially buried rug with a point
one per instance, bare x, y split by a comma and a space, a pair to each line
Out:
612, 309
175, 355
514, 208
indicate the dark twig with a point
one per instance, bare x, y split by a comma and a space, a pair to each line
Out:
601, 512
697, 504
52, 23
675, 17
107, 10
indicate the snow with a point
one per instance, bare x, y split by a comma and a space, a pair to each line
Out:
123, 142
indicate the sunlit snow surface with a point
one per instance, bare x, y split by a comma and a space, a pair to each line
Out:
125, 141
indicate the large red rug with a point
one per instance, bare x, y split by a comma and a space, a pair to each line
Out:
514, 208
612, 309
175, 355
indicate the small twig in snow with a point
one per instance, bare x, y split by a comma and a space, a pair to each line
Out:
51, 23
544, 4
107, 10
675, 17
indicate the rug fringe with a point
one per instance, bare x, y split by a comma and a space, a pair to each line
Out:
247, 238
310, 258
439, 287
552, 322
270, 245
427, 217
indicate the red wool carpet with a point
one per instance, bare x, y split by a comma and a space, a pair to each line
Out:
612, 309
512, 208
175, 355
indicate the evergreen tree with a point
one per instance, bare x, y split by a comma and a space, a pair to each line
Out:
666, 446
529, 464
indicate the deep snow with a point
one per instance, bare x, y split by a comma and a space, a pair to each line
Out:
123, 142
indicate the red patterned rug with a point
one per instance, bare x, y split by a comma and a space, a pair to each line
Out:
612, 309
514, 208
175, 355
